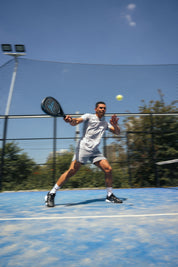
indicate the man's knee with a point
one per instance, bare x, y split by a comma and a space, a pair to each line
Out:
108, 169
73, 168
105, 166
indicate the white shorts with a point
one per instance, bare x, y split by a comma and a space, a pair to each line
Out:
83, 156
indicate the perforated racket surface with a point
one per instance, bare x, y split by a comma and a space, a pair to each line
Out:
52, 107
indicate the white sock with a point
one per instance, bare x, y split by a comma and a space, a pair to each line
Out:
109, 191
55, 188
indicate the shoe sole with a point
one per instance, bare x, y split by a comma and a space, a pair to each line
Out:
113, 202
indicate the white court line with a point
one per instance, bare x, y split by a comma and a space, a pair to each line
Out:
87, 217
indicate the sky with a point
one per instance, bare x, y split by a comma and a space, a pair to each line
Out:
93, 31
82, 51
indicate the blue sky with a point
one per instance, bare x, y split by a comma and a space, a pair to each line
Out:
93, 31
99, 34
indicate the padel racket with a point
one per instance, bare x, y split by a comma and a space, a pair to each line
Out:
52, 107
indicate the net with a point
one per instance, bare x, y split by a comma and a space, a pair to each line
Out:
79, 86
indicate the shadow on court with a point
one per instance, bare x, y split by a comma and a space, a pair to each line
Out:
84, 230
89, 201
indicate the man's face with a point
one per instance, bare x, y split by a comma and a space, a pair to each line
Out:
100, 110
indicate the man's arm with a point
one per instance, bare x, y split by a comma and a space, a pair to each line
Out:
73, 121
115, 127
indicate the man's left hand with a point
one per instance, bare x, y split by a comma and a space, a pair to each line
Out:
114, 120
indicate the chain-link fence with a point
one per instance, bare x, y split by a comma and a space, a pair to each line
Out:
34, 147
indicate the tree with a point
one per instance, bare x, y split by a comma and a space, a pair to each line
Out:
152, 139
17, 167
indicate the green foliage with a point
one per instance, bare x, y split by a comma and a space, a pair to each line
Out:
17, 168
152, 139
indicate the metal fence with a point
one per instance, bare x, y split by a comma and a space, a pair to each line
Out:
41, 136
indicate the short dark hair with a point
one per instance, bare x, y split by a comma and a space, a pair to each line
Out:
99, 102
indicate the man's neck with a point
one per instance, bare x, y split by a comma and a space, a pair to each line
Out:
100, 117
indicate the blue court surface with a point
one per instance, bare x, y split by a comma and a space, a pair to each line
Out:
84, 230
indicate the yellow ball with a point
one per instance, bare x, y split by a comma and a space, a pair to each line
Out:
119, 97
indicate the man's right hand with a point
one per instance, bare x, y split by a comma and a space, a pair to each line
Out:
68, 118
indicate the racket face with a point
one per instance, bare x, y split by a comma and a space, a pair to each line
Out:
51, 106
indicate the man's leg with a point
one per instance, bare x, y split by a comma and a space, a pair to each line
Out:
105, 166
74, 167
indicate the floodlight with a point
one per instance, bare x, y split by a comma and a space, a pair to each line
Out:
19, 48
6, 48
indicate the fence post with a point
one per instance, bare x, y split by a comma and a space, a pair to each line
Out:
157, 182
128, 160
3, 150
54, 148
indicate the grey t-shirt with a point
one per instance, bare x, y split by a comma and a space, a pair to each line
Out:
93, 131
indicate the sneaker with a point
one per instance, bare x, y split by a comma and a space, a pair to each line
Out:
49, 199
113, 199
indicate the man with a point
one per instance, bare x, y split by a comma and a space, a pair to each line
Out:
87, 149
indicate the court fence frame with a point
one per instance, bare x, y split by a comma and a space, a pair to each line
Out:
125, 134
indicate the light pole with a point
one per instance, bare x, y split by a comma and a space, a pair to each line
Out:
20, 51
7, 50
